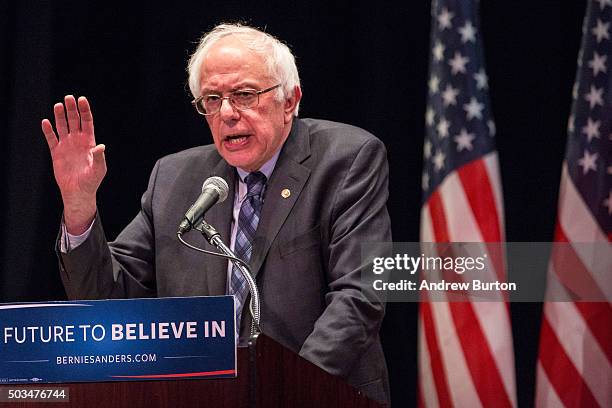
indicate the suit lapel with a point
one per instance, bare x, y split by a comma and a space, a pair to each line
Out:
289, 174
220, 217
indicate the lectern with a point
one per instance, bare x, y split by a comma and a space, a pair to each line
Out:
269, 375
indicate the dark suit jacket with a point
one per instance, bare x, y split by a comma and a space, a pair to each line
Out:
306, 253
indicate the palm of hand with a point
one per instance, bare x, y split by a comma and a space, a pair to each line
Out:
78, 163
73, 164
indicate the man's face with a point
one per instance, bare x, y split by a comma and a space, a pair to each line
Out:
249, 138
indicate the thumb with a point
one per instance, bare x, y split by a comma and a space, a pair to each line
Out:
99, 160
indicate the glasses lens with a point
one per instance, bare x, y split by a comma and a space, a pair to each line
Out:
244, 99
199, 107
211, 103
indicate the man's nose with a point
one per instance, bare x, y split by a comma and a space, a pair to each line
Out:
227, 111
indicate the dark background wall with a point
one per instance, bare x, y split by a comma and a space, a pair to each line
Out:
360, 63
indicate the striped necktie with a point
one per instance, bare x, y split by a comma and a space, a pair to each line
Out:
243, 246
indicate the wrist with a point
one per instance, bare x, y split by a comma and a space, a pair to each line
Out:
79, 214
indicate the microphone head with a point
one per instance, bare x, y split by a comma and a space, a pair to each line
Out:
219, 185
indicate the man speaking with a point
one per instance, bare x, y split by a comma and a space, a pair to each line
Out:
303, 195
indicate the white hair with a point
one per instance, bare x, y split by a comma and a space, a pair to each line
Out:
280, 62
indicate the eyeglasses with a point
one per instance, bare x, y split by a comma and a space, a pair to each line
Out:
241, 99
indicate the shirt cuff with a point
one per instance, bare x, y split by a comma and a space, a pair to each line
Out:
68, 242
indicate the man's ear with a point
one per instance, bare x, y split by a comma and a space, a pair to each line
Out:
291, 103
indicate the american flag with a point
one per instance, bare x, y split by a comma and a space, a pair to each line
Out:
574, 364
466, 357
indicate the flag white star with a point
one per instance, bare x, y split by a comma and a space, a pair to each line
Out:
468, 32
601, 31
482, 81
438, 51
491, 126
458, 63
598, 63
434, 83
464, 140
591, 129
429, 116
449, 96
588, 162
439, 160
473, 109
425, 181
594, 97
442, 128
608, 203
444, 19
604, 3
427, 149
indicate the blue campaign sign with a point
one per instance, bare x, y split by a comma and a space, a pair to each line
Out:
117, 340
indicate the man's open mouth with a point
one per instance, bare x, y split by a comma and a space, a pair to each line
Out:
236, 139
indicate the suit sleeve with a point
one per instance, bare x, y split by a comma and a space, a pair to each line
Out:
124, 268
353, 315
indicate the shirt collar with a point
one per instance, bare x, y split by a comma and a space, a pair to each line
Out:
266, 168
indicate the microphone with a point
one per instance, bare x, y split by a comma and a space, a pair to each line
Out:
214, 190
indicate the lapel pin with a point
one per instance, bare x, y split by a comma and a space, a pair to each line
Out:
285, 193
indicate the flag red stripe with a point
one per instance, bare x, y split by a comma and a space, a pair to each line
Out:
438, 217
478, 356
597, 316
420, 403
479, 192
571, 271
435, 356
561, 371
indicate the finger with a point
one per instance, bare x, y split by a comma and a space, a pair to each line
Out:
74, 120
49, 133
87, 125
60, 120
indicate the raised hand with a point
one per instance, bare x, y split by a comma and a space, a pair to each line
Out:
78, 163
